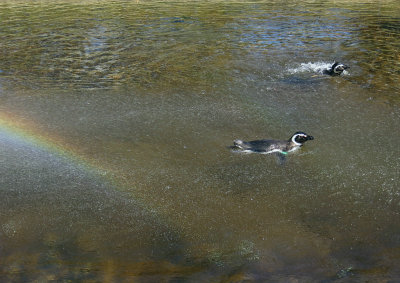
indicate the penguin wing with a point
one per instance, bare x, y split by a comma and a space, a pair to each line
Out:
260, 145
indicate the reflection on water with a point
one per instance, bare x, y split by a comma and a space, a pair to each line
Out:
116, 119
153, 44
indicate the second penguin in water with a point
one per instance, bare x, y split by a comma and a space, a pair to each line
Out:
336, 69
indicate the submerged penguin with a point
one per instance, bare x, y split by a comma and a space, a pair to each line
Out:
336, 69
279, 147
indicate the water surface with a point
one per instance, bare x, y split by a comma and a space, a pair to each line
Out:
116, 119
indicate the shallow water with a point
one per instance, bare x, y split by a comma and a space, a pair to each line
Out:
115, 123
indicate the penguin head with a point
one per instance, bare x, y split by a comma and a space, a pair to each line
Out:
338, 68
300, 137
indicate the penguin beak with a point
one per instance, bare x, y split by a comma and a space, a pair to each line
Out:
310, 138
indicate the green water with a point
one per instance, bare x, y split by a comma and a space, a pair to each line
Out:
115, 123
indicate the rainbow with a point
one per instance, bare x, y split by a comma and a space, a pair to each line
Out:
14, 127
27, 131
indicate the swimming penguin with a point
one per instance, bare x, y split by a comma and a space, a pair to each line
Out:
336, 69
280, 147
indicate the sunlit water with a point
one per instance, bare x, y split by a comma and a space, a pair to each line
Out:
115, 125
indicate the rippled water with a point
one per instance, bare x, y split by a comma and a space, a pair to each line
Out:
115, 123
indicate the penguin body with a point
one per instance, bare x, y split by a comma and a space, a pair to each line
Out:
273, 146
336, 69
